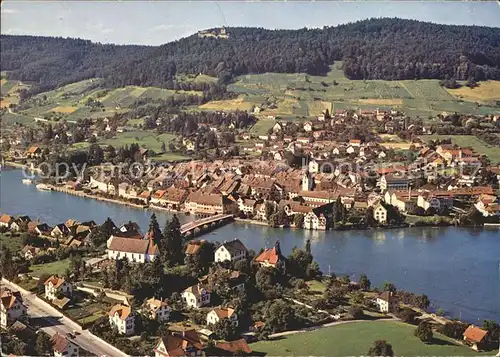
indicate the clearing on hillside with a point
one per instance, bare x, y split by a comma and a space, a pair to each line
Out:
485, 92
64, 110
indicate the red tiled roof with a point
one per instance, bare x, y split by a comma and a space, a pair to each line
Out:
122, 310
475, 334
59, 342
234, 346
268, 256
55, 280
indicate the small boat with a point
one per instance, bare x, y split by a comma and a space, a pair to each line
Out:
27, 181
43, 187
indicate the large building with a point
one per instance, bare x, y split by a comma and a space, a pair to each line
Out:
132, 249
209, 204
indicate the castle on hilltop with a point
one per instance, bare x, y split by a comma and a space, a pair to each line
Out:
214, 33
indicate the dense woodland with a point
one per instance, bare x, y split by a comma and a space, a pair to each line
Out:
371, 49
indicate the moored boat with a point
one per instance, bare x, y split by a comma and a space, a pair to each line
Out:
43, 187
27, 181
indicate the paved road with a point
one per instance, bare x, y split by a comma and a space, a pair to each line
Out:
54, 322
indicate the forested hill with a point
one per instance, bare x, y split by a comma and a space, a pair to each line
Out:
371, 49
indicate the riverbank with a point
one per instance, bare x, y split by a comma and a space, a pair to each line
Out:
24, 167
96, 197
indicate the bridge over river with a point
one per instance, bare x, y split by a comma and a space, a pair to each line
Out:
206, 224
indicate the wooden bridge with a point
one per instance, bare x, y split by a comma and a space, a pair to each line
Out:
206, 224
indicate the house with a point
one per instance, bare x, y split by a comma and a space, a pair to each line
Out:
220, 313
475, 337
233, 348
316, 221
233, 251
308, 126
12, 308
380, 213
33, 152
55, 286
435, 199
30, 252
386, 302
270, 257
196, 296
157, 310
134, 250
178, 344
43, 229
193, 247
62, 346
247, 206
121, 317
6, 220
60, 230
355, 142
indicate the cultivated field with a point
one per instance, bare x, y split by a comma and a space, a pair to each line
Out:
228, 104
299, 95
470, 141
486, 92
355, 339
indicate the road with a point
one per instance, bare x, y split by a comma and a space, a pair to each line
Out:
53, 322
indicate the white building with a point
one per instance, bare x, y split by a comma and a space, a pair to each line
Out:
157, 310
385, 302
380, 213
134, 250
55, 286
233, 251
64, 347
121, 317
314, 221
221, 313
11, 308
196, 296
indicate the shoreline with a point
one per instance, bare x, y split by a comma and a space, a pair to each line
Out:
21, 166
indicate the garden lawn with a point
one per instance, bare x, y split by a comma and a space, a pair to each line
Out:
57, 267
355, 339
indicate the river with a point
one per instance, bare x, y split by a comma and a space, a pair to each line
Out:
458, 268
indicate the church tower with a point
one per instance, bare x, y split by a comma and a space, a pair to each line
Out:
306, 181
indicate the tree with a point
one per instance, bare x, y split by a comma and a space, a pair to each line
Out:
298, 262
298, 220
424, 332
224, 329
364, 282
280, 316
381, 348
408, 315
172, 243
356, 312
389, 287
43, 344
154, 230
493, 336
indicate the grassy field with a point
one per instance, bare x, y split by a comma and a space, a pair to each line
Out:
145, 139
57, 267
297, 95
228, 104
355, 339
486, 92
470, 141
262, 126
